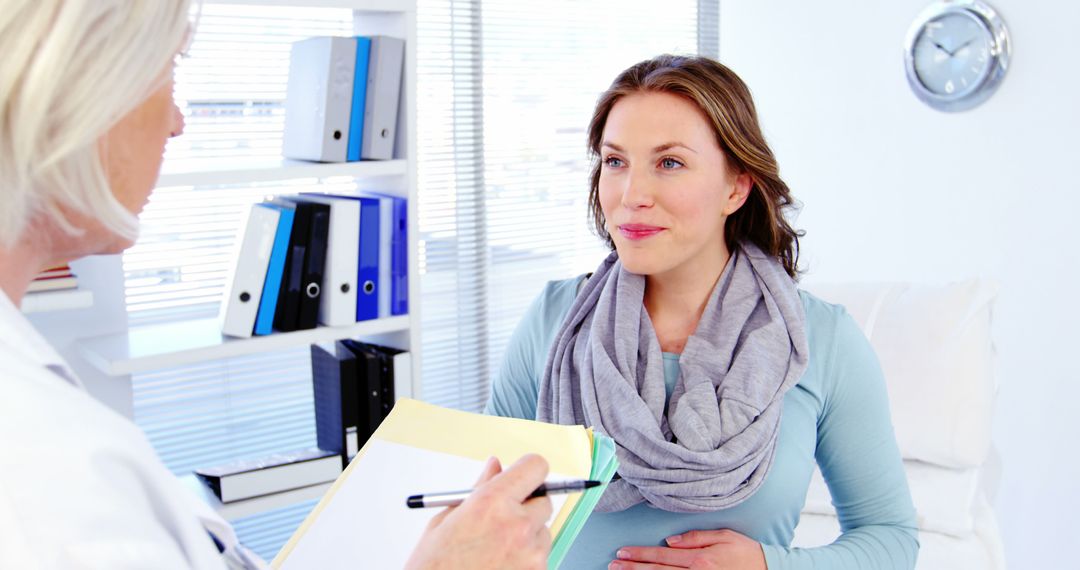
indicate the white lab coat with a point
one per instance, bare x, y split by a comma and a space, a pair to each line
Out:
80, 485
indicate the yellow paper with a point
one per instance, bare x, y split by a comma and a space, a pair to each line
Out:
568, 449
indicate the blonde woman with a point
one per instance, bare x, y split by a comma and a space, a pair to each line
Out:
721, 383
86, 106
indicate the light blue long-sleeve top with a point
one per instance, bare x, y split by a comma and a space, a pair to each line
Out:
837, 415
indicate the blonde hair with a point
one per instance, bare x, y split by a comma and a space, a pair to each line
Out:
726, 102
72, 69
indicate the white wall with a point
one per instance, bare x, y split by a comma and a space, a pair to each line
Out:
895, 190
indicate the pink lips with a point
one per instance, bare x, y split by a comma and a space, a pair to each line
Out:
639, 231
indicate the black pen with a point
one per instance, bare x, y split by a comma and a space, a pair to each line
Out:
455, 498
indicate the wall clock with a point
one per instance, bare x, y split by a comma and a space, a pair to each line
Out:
956, 54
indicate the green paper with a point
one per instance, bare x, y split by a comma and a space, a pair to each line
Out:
604, 465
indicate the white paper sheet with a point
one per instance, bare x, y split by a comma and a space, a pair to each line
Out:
367, 524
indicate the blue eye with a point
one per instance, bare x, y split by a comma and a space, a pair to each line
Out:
670, 164
613, 162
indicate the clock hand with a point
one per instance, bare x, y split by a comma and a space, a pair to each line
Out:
941, 47
962, 46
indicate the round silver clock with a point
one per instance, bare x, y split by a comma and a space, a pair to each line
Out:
956, 54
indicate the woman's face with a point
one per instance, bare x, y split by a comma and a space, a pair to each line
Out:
665, 186
133, 149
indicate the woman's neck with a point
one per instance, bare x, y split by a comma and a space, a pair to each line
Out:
675, 300
21, 264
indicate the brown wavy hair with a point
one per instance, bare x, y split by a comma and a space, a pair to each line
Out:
727, 104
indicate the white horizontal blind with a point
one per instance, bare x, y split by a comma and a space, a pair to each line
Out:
232, 89
507, 89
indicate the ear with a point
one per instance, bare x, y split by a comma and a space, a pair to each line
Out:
738, 192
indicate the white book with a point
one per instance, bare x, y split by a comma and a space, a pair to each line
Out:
273, 474
319, 99
337, 305
243, 289
381, 104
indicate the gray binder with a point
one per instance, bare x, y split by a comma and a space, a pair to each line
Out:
383, 95
319, 99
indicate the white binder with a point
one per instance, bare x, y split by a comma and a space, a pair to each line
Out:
383, 94
337, 307
386, 240
243, 290
319, 99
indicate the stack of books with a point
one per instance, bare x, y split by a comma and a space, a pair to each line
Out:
355, 388
59, 278
316, 259
342, 99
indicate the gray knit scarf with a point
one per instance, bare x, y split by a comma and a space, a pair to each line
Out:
714, 444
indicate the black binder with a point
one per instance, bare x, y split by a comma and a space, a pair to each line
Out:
292, 278
377, 376
369, 378
299, 307
337, 417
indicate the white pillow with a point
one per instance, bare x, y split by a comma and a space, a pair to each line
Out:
944, 498
935, 349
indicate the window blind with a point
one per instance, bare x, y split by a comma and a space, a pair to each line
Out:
506, 93
231, 88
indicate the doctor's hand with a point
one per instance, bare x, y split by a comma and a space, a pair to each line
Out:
697, 549
495, 527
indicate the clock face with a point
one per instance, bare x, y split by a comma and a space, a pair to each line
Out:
952, 55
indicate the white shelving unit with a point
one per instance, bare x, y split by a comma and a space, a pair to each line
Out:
233, 172
153, 347
47, 301
146, 348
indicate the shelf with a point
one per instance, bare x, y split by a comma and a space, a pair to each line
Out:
240, 171
153, 347
364, 5
255, 505
46, 301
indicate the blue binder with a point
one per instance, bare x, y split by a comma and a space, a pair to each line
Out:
360, 81
367, 297
399, 255
264, 322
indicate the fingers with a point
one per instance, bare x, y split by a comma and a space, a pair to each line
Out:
520, 479
491, 468
630, 565
701, 538
539, 509
657, 555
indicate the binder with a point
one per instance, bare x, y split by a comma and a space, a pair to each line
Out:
367, 298
356, 114
243, 291
337, 401
423, 448
370, 382
339, 284
264, 320
367, 271
386, 237
319, 98
399, 259
395, 372
382, 98
393, 270
288, 305
312, 222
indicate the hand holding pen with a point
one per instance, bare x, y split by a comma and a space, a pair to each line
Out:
499, 525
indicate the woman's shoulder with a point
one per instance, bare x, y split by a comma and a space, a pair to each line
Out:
841, 357
554, 301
